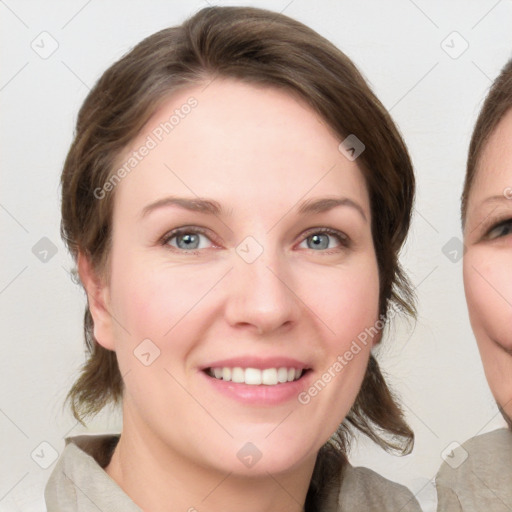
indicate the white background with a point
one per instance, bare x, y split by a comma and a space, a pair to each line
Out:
433, 364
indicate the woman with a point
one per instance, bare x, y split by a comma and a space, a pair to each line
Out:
481, 477
235, 199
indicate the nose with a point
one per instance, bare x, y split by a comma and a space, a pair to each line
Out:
261, 296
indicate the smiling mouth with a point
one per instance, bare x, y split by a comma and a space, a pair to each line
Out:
255, 376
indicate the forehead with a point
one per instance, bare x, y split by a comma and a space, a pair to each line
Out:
494, 169
251, 140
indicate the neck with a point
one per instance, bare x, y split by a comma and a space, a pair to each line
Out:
158, 479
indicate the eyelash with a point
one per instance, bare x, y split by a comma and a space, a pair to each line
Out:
343, 239
497, 225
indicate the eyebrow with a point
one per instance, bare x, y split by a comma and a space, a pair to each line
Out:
212, 207
208, 206
312, 206
495, 199
492, 200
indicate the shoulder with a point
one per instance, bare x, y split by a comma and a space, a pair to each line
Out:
478, 474
364, 489
497, 441
79, 481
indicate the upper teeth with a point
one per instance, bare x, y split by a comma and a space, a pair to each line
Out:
254, 376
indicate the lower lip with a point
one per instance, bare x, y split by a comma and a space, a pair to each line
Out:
260, 394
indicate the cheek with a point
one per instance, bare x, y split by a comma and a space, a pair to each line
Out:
488, 283
159, 315
488, 288
348, 306
156, 299
354, 303
340, 309
344, 298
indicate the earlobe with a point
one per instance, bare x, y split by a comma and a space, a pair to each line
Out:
377, 338
98, 301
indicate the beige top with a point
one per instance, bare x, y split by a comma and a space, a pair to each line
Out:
79, 483
481, 476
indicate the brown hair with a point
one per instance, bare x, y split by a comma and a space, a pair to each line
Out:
260, 47
496, 105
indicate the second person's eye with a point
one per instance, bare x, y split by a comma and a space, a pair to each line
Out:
500, 230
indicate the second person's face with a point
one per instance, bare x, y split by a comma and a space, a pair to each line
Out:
488, 261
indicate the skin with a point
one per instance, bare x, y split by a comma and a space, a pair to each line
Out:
259, 152
488, 261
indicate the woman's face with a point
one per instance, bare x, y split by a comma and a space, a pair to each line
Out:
272, 276
488, 261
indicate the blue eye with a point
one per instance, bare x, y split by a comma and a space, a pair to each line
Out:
185, 239
500, 230
320, 239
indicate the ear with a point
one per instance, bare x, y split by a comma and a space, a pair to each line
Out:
378, 337
98, 301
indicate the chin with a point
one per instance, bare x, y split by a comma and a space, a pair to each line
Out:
261, 457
